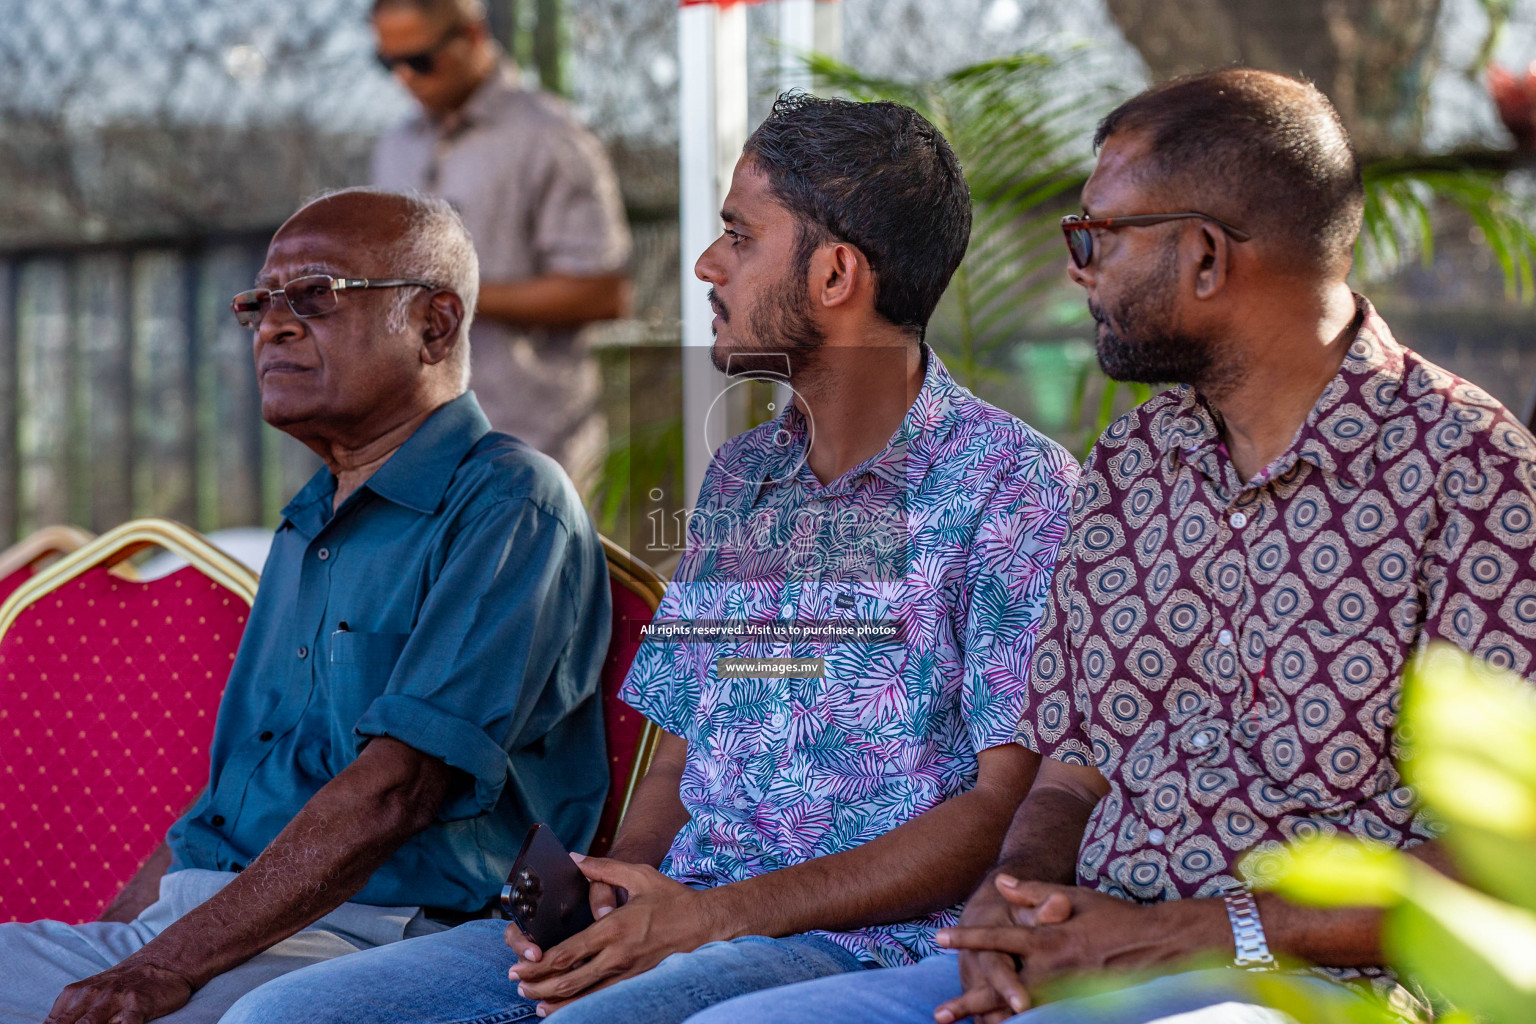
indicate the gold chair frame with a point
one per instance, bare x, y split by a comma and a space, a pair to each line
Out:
116, 546
123, 542
50, 540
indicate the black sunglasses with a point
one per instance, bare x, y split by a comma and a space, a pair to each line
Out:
314, 295
1079, 230
422, 63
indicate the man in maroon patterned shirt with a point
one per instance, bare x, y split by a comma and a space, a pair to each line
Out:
1254, 557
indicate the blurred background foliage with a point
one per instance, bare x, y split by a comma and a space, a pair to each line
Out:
147, 148
1019, 127
1469, 736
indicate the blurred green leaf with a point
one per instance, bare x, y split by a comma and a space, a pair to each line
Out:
1476, 950
1473, 949
1469, 744
1469, 733
1332, 872
1495, 863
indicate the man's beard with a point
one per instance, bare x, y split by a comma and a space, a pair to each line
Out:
780, 322
1149, 347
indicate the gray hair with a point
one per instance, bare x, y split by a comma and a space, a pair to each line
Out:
436, 247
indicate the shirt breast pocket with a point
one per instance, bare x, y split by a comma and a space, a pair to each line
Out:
869, 642
360, 667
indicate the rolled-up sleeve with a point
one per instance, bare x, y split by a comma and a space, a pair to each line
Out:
498, 615
580, 227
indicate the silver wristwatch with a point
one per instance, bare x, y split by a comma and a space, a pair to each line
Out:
1247, 930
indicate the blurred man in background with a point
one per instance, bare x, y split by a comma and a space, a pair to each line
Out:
542, 205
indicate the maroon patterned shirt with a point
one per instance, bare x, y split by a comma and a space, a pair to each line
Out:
1229, 655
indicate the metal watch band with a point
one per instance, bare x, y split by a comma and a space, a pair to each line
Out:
1247, 931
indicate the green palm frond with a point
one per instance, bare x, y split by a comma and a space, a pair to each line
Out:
648, 455
1021, 139
1400, 199
1019, 126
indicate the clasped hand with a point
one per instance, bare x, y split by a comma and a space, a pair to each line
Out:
1015, 935
659, 917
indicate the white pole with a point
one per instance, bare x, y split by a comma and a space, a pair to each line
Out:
712, 125
806, 26
797, 37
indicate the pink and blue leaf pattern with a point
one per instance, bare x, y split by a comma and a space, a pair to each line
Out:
953, 531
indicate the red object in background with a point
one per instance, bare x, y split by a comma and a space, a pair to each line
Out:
1515, 95
634, 604
108, 693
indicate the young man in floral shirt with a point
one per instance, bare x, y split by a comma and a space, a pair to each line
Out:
828, 813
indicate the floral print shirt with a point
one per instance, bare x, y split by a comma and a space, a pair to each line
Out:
950, 533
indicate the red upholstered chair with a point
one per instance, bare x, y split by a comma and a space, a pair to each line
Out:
108, 692
631, 736
21, 561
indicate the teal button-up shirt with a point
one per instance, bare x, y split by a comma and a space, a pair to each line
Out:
458, 602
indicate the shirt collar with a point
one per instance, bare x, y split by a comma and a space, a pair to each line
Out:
417, 475
481, 105
902, 462
1367, 384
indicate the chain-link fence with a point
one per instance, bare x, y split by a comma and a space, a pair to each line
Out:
147, 148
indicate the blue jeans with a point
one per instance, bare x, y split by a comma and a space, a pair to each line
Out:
909, 995
460, 977
39, 958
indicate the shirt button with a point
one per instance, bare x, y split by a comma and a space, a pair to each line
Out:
1238, 520
1201, 739
1156, 836
323, 554
303, 652
1224, 638
217, 821
266, 735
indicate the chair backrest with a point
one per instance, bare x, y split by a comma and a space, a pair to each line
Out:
20, 561
637, 591
108, 692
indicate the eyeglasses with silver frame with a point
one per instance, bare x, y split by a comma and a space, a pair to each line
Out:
310, 296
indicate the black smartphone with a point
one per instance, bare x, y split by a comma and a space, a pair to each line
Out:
546, 893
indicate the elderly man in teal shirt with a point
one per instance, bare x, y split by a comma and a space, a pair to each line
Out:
418, 679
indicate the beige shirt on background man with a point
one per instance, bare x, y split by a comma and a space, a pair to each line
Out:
539, 197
